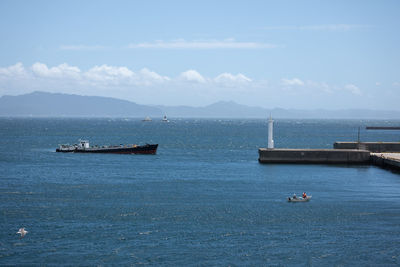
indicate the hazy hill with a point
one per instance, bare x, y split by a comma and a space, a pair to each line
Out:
233, 110
39, 104
220, 109
55, 105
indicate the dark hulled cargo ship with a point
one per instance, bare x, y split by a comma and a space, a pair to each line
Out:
83, 147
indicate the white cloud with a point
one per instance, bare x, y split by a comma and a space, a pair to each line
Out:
321, 86
109, 73
227, 77
316, 87
192, 76
230, 80
151, 76
213, 44
14, 70
321, 27
82, 47
60, 71
333, 27
353, 89
292, 82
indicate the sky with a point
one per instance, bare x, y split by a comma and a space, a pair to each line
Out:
272, 54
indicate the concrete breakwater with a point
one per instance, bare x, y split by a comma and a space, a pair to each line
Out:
382, 128
386, 160
375, 147
324, 156
342, 153
329, 156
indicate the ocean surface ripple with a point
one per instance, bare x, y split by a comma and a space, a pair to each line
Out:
202, 200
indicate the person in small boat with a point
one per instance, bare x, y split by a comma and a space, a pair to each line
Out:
304, 195
294, 196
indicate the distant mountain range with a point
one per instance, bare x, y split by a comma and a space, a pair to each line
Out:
42, 104
63, 105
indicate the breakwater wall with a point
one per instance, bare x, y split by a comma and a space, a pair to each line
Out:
386, 160
382, 128
375, 147
319, 156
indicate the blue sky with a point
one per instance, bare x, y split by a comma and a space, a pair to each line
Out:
289, 54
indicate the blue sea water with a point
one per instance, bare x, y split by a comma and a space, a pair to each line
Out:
202, 200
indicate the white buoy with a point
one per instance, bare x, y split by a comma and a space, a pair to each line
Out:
270, 133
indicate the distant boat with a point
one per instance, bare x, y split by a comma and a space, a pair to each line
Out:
147, 119
299, 199
83, 147
165, 119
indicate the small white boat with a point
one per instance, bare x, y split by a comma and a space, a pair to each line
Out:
299, 199
165, 119
147, 119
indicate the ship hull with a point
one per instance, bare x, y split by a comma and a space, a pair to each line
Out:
145, 149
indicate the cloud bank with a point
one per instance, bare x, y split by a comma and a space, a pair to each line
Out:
104, 75
213, 44
321, 27
82, 47
189, 87
113, 81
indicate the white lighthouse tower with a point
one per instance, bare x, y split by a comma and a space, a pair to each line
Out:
270, 133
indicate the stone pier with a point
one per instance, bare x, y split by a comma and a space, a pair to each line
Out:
321, 156
386, 160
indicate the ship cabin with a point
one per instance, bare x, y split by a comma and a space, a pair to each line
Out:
83, 144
